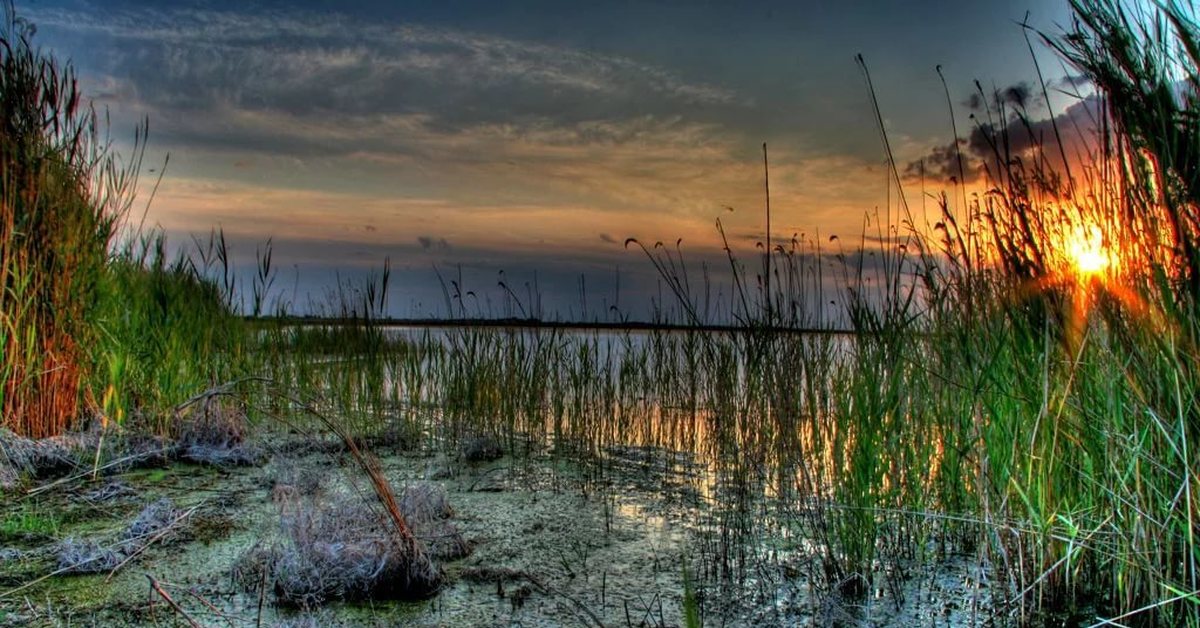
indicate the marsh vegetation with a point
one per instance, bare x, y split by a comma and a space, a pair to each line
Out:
1004, 432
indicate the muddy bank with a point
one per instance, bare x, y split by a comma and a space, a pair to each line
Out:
530, 541
534, 547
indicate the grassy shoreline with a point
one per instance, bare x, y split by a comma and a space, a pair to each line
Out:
533, 323
1043, 412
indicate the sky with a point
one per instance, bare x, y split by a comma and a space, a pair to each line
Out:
488, 142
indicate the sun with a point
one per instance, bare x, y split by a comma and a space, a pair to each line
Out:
1087, 253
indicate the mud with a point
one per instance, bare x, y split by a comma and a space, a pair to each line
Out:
549, 545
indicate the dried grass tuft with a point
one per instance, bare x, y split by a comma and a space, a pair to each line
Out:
84, 556
24, 456
218, 422
215, 433
423, 502
338, 550
427, 509
152, 520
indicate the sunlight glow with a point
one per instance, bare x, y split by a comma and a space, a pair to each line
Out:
1087, 252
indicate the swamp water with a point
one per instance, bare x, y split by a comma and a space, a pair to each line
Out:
621, 481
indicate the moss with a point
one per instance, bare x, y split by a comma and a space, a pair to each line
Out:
29, 521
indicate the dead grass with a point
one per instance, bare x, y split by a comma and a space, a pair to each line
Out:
214, 432
342, 549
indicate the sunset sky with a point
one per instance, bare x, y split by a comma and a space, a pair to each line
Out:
530, 137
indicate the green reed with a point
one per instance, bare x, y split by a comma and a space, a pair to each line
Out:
95, 320
987, 400
975, 407
62, 195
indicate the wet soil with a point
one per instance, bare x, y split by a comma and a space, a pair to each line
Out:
550, 548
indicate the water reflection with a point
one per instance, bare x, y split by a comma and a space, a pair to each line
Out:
735, 433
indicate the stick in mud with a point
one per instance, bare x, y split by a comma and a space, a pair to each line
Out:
166, 596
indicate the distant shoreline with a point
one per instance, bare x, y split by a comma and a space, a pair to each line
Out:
534, 323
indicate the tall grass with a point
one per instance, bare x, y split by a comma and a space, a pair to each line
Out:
1146, 62
991, 399
165, 332
62, 196
1052, 408
94, 319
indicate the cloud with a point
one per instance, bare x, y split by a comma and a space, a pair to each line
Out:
431, 242
1020, 136
316, 64
327, 101
1017, 137
1071, 83
663, 164
1020, 95
307, 128
942, 163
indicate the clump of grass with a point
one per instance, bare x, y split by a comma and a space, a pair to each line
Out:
158, 522
214, 432
62, 195
84, 556
30, 520
25, 456
334, 554
90, 314
169, 331
155, 518
424, 502
337, 550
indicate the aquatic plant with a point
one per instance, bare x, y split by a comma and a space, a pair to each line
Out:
93, 315
62, 195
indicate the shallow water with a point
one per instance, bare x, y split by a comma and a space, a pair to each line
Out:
574, 552
530, 518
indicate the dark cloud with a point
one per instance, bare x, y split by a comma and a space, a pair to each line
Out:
434, 243
1018, 138
1020, 95
184, 62
1070, 83
942, 163
974, 102
1017, 95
